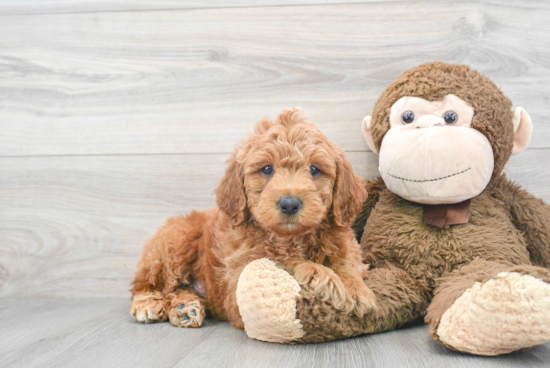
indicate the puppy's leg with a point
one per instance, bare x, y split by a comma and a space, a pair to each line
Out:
185, 308
165, 265
230, 303
147, 296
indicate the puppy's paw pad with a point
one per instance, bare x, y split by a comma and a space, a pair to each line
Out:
187, 315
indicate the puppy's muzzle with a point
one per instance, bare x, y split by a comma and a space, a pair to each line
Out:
290, 205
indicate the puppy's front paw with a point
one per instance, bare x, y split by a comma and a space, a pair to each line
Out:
360, 299
323, 281
190, 314
148, 308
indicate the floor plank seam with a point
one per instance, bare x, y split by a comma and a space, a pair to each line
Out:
208, 8
175, 154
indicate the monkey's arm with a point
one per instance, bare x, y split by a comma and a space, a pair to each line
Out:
531, 215
374, 187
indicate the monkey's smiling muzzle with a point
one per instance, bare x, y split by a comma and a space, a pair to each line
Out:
431, 155
421, 165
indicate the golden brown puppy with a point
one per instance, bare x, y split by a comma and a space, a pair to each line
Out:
288, 194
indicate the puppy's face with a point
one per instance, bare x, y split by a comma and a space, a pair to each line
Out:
291, 178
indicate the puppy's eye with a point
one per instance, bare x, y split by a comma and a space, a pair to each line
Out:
407, 117
267, 170
314, 171
450, 117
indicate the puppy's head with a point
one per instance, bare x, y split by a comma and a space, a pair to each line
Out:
289, 178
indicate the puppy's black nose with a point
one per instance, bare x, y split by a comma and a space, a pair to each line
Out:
290, 205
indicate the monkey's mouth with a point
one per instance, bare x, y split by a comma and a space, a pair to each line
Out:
429, 180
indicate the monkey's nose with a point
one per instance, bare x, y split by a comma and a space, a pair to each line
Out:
437, 122
290, 205
428, 121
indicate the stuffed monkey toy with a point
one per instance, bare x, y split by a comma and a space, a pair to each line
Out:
448, 237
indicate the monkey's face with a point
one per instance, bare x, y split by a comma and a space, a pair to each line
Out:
444, 131
431, 154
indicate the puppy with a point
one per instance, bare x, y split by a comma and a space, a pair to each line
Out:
288, 194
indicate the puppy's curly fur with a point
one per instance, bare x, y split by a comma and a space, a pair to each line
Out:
193, 262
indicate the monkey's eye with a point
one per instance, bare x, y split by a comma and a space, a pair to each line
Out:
267, 170
314, 171
407, 117
450, 117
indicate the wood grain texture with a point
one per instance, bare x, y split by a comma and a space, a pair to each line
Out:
72, 226
100, 333
27, 7
34, 7
192, 81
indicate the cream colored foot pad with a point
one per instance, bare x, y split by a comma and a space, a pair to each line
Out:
266, 296
505, 314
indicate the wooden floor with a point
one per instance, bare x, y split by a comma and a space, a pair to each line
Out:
115, 114
100, 333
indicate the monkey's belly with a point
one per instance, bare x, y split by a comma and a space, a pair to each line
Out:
395, 233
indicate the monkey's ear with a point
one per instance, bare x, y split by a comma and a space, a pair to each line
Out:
523, 127
365, 127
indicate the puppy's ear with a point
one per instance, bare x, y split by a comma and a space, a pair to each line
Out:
349, 193
230, 195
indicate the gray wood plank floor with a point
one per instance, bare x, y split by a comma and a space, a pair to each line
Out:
43, 332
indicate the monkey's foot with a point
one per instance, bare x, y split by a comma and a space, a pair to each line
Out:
266, 296
507, 313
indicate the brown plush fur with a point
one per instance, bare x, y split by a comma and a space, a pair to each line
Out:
417, 265
193, 262
420, 270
